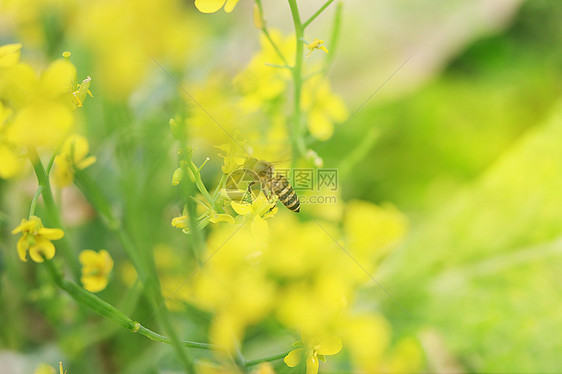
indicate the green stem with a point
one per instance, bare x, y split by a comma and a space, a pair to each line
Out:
334, 39
220, 185
267, 359
268, 37
318, 12
102, 205
108, 311
297, 140
34, 201
164, 339
53, 212
199, 182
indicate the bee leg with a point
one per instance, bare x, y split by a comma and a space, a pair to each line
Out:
250, 189
272, 207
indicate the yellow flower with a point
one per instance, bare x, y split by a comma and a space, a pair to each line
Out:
257, 212
261, 84
42, 106
315, 349
316, 44
234, 156
36, 239
323, 107
211, 6
73, 157
182, 222
96, 267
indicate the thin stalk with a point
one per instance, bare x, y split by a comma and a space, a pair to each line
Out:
142, 266
318, 12
220, 185
164, 339
334, 39
53, 212
108, 311
199, 182
268, 36
297, 140
34, 201
267, 359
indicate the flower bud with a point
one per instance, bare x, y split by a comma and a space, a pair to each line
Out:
175, 128
257, 17
177, 177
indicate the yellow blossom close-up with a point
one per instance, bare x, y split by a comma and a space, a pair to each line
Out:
314, 350
316, 44
36, 239
73, 157
96, 267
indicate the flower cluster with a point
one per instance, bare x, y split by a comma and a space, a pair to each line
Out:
294, 272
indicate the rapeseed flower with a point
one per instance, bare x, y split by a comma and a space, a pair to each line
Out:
96, 267
260, 83
256, 212
322, 107
72, 157
36, 239
42, 105
315, 349
316, 44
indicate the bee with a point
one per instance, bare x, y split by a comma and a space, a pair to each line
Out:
263, 172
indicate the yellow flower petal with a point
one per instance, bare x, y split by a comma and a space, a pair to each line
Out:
312, 364
260, 228
241, 208
22, 248
180, 222
216, 218
22, 226
10, 164
209, 6
96, 267
329, 346
229, 6
320, 125
9, 54
86, 162
294, 357
106, 260
17, 83
58, 78
42, 248
50, 234
88, 257
94, 283
42, 123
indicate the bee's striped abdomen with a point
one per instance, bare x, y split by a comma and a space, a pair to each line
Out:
286, 193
